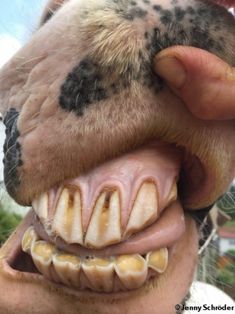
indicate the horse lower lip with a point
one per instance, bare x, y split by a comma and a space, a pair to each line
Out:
15, 268
115, 200
122, 213
127, 262
113, 274
164, 233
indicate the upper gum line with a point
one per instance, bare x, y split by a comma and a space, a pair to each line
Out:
105, 226
103, 213
113, 201
165, 232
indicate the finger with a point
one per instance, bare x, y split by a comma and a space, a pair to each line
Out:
204, 82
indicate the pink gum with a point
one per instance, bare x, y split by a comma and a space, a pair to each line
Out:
157, 162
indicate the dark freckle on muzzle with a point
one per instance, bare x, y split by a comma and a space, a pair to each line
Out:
133, 14
203, 21
130, 10
12, 151
82, 87
87, 83
94, 80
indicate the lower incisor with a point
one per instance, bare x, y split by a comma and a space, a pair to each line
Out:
125, 272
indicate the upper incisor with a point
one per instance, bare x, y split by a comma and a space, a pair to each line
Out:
105, 225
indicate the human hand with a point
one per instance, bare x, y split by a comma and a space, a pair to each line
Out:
203, 81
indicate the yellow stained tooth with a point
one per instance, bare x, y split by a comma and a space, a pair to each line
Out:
105, 224
158, 260
173, 194
42, 252
67, 267
40, 206
145, 209
100, 273
132, 270
67, 221
28, 239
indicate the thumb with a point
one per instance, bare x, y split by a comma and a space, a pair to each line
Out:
204, 82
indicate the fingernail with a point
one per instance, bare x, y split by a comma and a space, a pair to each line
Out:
172, 70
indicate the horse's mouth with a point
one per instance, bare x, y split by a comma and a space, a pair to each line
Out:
115, 229
29, 259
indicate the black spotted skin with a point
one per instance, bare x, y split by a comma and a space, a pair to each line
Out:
192, 26
12, 151
198, 24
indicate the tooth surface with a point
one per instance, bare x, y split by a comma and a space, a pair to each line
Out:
42, 252
67, 267
40, 206
100, 273
173, 194
105, 225
158, 260
145, 209
67, 221
132, 270
28, 239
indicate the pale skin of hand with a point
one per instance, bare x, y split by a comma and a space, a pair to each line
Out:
204, 82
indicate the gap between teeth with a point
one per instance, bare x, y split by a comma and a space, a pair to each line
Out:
105, 226
124, 272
